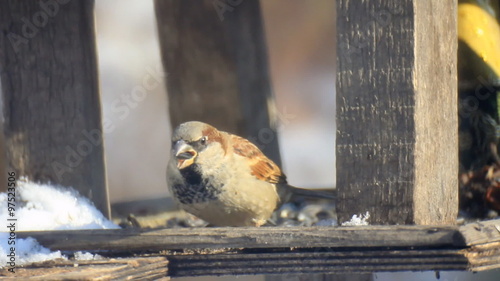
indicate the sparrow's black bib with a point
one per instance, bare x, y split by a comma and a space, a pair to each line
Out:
196, 188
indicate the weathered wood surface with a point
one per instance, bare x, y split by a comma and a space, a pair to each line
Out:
397, 111
320, 277
274, 250
483, 241
216, 58
138, 268
435, 196
132, 240
316, 261
482, 232
50, 95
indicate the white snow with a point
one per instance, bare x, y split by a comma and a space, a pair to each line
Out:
26, 251
358, 220
86, 256
46, 207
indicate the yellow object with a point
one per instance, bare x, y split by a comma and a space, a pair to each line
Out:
478, 29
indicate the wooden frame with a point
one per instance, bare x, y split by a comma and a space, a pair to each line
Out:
50, 96
386, 168
273, 250
397, 144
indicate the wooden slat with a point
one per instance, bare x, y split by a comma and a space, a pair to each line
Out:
216, 58
397, 111
281, 250
315, 261
320, 277
138, 268
435, 193
123, 241
50, 95
481, 232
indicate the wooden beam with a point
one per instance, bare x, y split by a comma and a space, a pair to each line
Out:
320, 277
216, 58
50, 95
397, 149
326, 261
130, 240
282, 250
137, 268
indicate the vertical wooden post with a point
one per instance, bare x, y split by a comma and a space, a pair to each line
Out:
51, 108
397, 150
215, 55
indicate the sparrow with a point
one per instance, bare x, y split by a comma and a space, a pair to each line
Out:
224, 179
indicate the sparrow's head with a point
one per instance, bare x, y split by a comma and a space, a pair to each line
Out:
191, 140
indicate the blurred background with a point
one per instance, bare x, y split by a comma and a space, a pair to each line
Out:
301, 46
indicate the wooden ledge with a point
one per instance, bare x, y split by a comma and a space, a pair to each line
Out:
268, 250
118, 241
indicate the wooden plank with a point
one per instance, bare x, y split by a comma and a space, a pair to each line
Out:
318, 260
481, 232
484, 241
50, 95
216, 58
484, 256
281, 250
435, 196
315, 261
396, 111
137, 268
133, 240
320, 277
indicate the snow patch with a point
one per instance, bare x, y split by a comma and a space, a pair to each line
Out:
46, 207
358, 220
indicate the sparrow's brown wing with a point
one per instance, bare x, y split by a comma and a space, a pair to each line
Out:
262, 167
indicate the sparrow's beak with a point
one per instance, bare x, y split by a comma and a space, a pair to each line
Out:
184, 153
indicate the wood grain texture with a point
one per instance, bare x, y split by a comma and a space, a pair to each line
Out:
435, 195
316, 261
481, 232
291, 251
320, 277
50, 95
130, 240
218, 69
396, 111
138, 268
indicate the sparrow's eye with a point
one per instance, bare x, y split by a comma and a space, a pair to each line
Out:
200, 144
